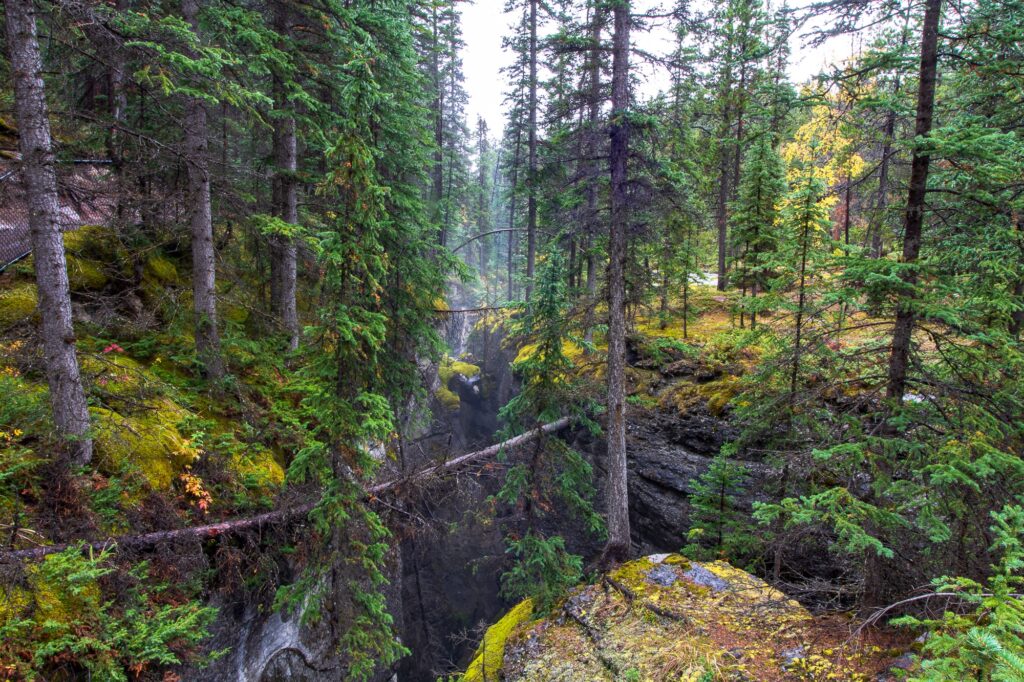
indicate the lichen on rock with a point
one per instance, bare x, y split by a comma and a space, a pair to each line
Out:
664, 617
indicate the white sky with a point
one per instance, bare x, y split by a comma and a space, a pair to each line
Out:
484, 22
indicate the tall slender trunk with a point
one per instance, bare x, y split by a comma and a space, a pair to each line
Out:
531, 225
722, 204
593, 116
283, 255
437, 172
899, 359
510, 256
618, 545
881, 203
67, 397
204, 274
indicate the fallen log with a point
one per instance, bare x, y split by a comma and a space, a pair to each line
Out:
283, 515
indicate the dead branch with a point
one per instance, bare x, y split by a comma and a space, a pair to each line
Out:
284, 515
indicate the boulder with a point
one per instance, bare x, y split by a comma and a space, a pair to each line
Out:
663, 617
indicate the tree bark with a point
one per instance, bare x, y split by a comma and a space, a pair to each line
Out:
593, 116
283, 254
437, 171
67, 397
617, 498
899, 358
722, 205
204, 275
531, 216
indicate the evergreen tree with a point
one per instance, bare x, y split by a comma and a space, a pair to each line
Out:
754, 222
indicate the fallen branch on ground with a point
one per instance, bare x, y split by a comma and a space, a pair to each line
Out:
283, 515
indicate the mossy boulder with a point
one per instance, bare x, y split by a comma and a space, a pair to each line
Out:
44, 598
490, 655
147, 440
664, 617
160, 270
449, 369
715, 395
17, 304
258, 469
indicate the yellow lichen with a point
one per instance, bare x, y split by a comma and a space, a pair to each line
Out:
490, 655
148, 441
17, 304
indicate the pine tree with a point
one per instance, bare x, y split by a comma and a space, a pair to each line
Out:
754, 222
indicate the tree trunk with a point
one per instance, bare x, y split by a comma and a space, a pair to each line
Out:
510, 256
883, 186
618, 545
593, 116
531, 225
899, 359
722, 205
204, 275
283, 255
67, 397
437, 172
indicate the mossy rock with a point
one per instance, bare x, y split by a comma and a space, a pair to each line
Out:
17, 304
85, 275
450, 367
446, 371
45, 599
117, 374
664, 617
448, 398
258, 468
716, 395
160, 270
149, 442
490, 655
236, 314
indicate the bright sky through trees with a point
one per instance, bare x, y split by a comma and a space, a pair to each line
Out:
484, 22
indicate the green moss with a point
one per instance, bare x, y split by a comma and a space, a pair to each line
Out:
116, 374
450, 367
149, 442
14, 602
448, 398
160, 270
59, 601
234, 313
490, 655
85, 275
258, 468
17, 304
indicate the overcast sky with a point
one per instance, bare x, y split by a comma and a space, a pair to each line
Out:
484, 23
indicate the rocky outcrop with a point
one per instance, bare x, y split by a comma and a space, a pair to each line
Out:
663, 617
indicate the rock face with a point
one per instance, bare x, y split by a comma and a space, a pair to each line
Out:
663, 617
